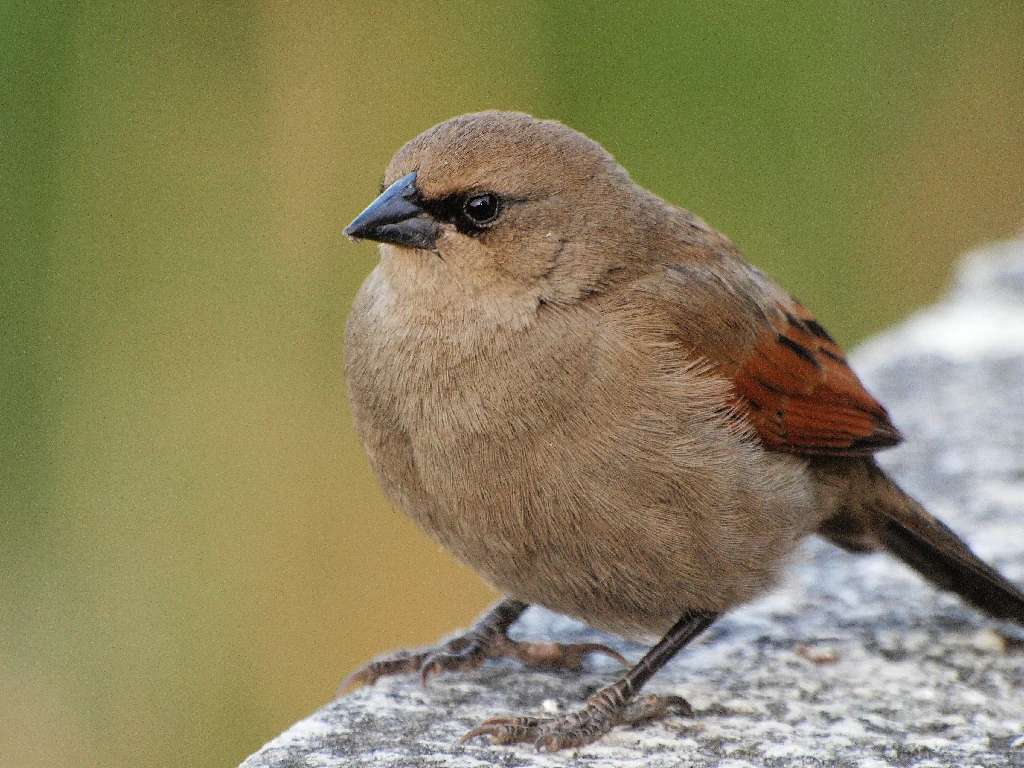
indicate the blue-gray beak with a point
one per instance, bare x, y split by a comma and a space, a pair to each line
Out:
395, 218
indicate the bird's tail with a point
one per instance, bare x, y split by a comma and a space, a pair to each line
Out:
887, 518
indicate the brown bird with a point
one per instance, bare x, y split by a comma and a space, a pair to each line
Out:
588, 396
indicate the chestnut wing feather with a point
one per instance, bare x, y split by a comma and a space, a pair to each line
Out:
801, 395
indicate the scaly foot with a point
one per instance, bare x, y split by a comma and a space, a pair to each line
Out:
613, 704
487, 639
604, 709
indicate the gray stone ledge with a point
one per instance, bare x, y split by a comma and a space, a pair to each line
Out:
854, 661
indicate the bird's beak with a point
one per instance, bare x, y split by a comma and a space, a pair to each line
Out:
395, 218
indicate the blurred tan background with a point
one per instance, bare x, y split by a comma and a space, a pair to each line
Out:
193, 551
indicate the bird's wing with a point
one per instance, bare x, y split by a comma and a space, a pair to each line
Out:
791, 382
801, 395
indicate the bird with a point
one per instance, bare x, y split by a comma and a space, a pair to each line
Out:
588, 395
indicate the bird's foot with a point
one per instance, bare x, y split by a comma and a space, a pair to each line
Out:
548, 655
604, 709
487, 639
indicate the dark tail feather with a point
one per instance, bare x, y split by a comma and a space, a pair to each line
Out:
907, 530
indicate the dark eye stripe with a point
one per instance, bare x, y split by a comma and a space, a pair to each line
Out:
452, 209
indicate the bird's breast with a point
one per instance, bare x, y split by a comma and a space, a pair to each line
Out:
443, 365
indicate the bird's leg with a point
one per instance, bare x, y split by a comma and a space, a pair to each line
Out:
487, 639
611, 705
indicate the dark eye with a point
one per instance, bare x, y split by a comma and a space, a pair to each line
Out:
482, 209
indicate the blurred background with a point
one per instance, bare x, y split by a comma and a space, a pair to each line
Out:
193, 551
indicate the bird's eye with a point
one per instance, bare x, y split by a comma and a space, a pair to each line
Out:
483, 208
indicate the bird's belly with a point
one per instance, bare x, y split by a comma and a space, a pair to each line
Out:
626, 541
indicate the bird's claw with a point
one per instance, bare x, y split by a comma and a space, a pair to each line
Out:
549, 655
507, 730
654, 707
601, 713
461, 653
550, 734
368, 674
469, 651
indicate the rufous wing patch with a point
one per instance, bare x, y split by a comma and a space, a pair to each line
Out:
802, 397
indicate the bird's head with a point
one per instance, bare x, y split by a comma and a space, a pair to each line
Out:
508, 198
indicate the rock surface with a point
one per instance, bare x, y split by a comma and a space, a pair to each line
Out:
853, 661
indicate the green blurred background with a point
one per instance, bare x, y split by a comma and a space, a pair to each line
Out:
193, 550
